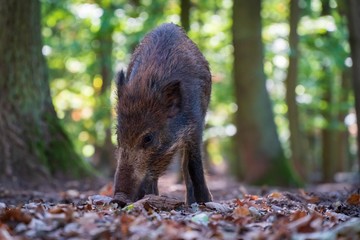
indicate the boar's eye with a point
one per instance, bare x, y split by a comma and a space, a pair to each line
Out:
147, 140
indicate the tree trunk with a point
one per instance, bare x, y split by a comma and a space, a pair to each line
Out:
33, 145
296, 139
257, 141
353, 15
330, 149
342, 158
103, 158
185, 14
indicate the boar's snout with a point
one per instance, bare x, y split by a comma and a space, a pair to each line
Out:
131, 179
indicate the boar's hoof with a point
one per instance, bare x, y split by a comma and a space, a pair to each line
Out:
121, 199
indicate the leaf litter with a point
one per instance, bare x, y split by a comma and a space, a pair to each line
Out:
270, 214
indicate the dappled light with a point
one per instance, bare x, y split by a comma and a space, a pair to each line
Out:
179, 119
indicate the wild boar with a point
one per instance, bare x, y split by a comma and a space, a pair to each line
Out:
162, 102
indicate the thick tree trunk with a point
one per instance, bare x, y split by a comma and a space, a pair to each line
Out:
33, 145
296, 139
353, 13
257, 141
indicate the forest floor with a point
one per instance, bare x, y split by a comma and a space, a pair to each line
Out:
83, 211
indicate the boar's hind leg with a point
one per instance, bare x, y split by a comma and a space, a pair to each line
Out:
197, 185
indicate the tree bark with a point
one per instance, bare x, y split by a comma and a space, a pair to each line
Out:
353, 15
256, 139
33, 145
103, 158
296, 139
185, 14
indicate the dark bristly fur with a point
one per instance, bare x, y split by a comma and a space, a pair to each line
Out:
162, 102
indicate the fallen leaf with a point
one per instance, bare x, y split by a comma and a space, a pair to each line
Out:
275, 195
218, 207
107, 190
241, 211
354, 199
100, 199
201, 218
15, 215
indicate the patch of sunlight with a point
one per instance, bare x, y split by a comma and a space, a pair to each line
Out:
350, 119
214, 152
230, 130
233, 107
86, 113
268, 67
88, 150
114, 139
280, 45
75, 101
89, 11
87, 91
97, 82
321, 24
300, 90
281, 61
280, 108
46, 50
59, 83
84, 136
212, 26
278, 30
76, 115
120, 13
348, 62
174, 18
304, 99
134, 24
75, 66
60, 114
316, 5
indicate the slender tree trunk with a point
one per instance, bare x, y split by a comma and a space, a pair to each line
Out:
343, 134
104, 153
33, 145
329, 136
353, 15
257, 141
185, 14
296, 139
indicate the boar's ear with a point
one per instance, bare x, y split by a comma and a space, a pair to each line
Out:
172, 98
120, 79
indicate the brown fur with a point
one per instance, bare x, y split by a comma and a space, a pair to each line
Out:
162, 103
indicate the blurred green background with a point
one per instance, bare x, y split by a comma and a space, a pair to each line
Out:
87, 42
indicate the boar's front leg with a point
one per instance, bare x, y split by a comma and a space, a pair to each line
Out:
194, 174
148, 186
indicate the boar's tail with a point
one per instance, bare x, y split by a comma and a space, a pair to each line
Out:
120, 79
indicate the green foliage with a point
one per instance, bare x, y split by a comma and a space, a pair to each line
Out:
72, 29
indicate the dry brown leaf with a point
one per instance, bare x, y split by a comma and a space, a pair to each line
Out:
14, 215
126, 221
241, 211
297, 215
354, 199
275, 195
107, 190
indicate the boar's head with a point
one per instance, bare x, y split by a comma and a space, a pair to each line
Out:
149, 132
